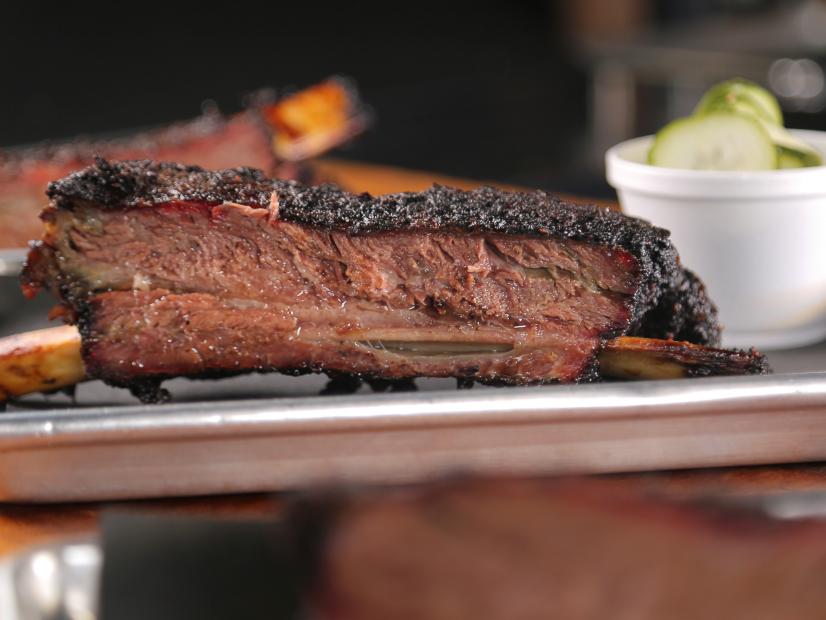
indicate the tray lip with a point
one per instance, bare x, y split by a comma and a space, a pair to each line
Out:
511, 406
252, 446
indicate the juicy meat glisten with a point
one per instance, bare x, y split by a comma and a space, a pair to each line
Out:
170, 270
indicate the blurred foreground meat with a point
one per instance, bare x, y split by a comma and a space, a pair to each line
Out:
171, 271
272, 136
570, 550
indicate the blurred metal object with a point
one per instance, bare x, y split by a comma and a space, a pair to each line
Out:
791, 506
11, 298
11, 262
54, 582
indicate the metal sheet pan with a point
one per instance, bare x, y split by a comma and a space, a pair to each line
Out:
223, 446
267, 432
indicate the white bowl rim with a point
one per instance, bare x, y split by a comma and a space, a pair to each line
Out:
625, 174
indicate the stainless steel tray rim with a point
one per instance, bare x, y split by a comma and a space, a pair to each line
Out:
578, 403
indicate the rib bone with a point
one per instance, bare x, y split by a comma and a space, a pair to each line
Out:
49, 359
40, 361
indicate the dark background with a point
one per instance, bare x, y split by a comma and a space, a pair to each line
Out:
495, 90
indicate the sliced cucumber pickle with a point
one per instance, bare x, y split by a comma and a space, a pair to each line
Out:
789, 144
737, 125
743, 97
789, 159
714, 141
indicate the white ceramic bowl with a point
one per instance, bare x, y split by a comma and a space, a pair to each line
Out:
757, 239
